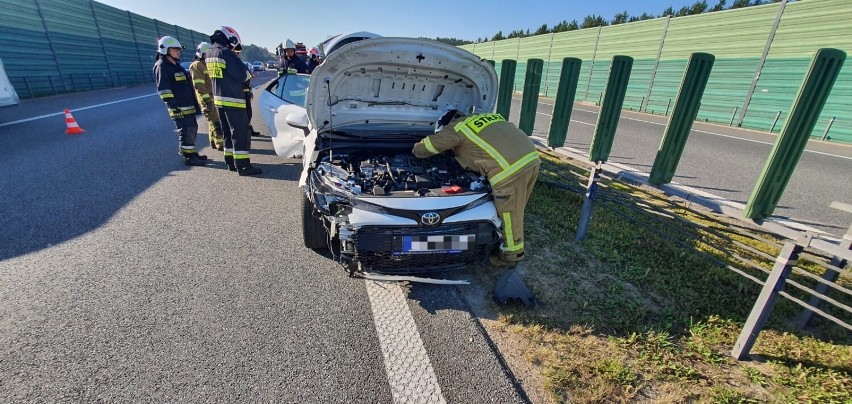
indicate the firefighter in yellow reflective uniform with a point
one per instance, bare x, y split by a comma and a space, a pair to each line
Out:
204, 93
503, 154
176, 91
229, 77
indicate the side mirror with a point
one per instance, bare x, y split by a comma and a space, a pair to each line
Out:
297, 120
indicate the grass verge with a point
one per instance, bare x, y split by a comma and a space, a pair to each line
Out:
647, 308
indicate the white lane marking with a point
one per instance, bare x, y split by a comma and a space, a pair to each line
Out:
410, 374
580, 122
74, 110
698, 131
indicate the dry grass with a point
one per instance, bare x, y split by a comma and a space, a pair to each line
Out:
633, 316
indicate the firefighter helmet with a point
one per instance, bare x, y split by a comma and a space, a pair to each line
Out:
167, 42
233, 37
202, 49
314, 52
289, 44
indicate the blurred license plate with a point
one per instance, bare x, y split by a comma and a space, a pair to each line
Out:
430, 244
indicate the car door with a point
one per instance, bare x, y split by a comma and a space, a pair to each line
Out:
283, 98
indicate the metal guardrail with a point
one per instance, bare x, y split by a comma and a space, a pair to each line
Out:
807, 289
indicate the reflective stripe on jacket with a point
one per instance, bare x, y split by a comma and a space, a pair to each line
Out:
175, 88
201, 81
229, 75
485, 143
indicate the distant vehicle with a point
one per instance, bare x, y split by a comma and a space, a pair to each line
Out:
271, 64
258, 66
8, 96
185, 65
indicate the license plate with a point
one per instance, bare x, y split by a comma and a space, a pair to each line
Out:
437, 244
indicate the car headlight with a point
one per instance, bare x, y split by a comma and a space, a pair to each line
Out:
329, 203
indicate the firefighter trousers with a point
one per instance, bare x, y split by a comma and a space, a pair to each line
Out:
211, 113
187, 129
510, 198
235, 127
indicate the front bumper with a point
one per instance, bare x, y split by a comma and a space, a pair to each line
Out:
380, 248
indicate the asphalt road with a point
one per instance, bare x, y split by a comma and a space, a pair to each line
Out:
723, 161
127, 276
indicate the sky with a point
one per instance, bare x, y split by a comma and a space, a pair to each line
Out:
267, 23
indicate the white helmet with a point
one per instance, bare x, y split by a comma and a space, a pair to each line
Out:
167, 42
202, 49
233, 36
289, 44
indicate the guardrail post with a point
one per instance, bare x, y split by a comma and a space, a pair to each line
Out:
790, 144
52, 87
29, 89
569, 78
507, 81
591, 192
828, 128
830, 274
680, 123
610, 111
775, 122
734, 116
529, 100
668, 106
784, 264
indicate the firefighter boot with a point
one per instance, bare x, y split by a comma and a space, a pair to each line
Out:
244, 167
229, 160
191, 159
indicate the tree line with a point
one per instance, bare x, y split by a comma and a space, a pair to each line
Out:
591, 21
252, 53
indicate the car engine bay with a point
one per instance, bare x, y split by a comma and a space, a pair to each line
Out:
398, 174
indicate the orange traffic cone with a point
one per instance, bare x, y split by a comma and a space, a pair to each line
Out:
71, 126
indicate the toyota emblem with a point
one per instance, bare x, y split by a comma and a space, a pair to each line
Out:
430, 218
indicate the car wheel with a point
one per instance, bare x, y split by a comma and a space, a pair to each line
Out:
313, 231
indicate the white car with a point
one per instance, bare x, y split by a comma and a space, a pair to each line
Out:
379, 209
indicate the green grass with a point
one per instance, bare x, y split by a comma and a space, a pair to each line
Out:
631, 314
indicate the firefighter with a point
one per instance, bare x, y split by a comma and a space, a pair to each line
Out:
175, 89
203, 92
290, 63
229, 76
502, 153
314, 60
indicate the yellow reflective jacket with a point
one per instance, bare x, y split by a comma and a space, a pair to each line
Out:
201, 81
485, 143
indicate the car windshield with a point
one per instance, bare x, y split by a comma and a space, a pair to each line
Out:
292, 88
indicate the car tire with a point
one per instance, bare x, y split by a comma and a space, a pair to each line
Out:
313, 231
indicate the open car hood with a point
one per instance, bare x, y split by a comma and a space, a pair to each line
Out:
387, 85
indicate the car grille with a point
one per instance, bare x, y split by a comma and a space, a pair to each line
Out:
375, 247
